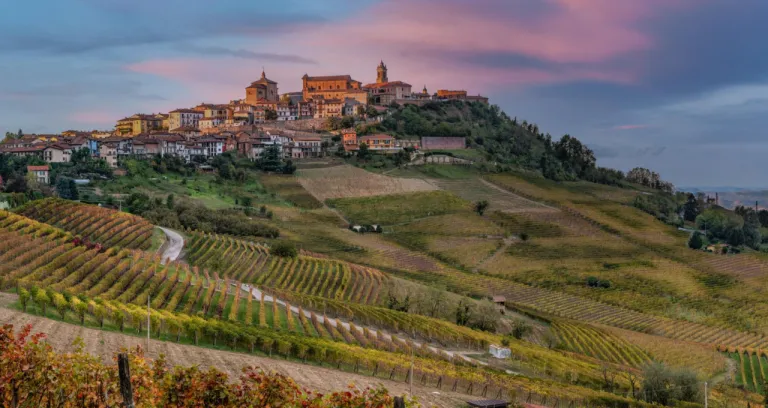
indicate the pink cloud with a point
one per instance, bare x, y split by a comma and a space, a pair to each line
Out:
630, 127
421, 42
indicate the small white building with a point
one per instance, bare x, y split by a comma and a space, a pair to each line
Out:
499, 351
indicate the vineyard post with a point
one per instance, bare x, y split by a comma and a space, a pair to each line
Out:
148, 321
124, 372
410, 377
706, 396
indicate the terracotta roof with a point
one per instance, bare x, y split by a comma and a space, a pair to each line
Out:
38, 168
184, 110
329, 78
22, 149
59, 146
379, 136
184, 129
386, 84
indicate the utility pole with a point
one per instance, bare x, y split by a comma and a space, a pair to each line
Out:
706, 396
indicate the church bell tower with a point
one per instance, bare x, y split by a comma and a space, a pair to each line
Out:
381, 73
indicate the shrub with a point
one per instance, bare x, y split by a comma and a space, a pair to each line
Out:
285, 250
695, 242
520, 328
524, 236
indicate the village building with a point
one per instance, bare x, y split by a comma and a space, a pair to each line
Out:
57, 153
335, 87
384, 92
181, 118
377, 142
263, 89
108, 152
306, 146
328, 108
41, 173
139, 123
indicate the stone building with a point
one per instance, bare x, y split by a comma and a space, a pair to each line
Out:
263, 89
333, 87
384, 92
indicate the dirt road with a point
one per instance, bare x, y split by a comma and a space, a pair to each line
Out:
105, 344
175, 245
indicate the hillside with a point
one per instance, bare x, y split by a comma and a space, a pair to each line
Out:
601, 297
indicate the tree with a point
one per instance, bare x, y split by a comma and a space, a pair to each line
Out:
691, 208
662, 385
695, 242
66, 188
363, 153
481, 206
270, 114
520, 329
284, 249
270, 160
752, 236
289, 167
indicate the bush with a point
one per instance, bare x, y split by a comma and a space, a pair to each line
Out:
524, 236
520, 328
285, 250
695, 242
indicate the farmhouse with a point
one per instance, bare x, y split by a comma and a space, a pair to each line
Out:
378, 142
41, 173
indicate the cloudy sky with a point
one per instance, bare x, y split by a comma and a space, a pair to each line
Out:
680, 86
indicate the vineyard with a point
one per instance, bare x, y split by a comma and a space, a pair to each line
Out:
221, 332
751, 368
398, 208
600, 344
348, 181
107, 227
251, 263
474, 190
290, 190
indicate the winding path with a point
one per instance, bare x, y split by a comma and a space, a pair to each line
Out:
175, 245
256, 293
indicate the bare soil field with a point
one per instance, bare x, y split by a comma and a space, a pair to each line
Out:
348, 181
105, 344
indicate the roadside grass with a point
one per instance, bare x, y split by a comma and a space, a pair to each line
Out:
158, 239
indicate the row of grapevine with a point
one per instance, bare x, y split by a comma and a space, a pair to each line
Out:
133, 277
599, 344
97, 224
751, 368
251, 263
218, 333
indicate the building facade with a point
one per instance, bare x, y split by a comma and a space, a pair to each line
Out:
332, 87
263, 89
184, 118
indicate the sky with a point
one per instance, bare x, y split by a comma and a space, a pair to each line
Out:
678, 86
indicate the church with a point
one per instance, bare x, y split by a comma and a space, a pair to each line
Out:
262, 90
384, 92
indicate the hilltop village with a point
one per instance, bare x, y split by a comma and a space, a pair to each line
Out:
292, 122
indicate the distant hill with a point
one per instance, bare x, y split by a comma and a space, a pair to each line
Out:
735, 197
